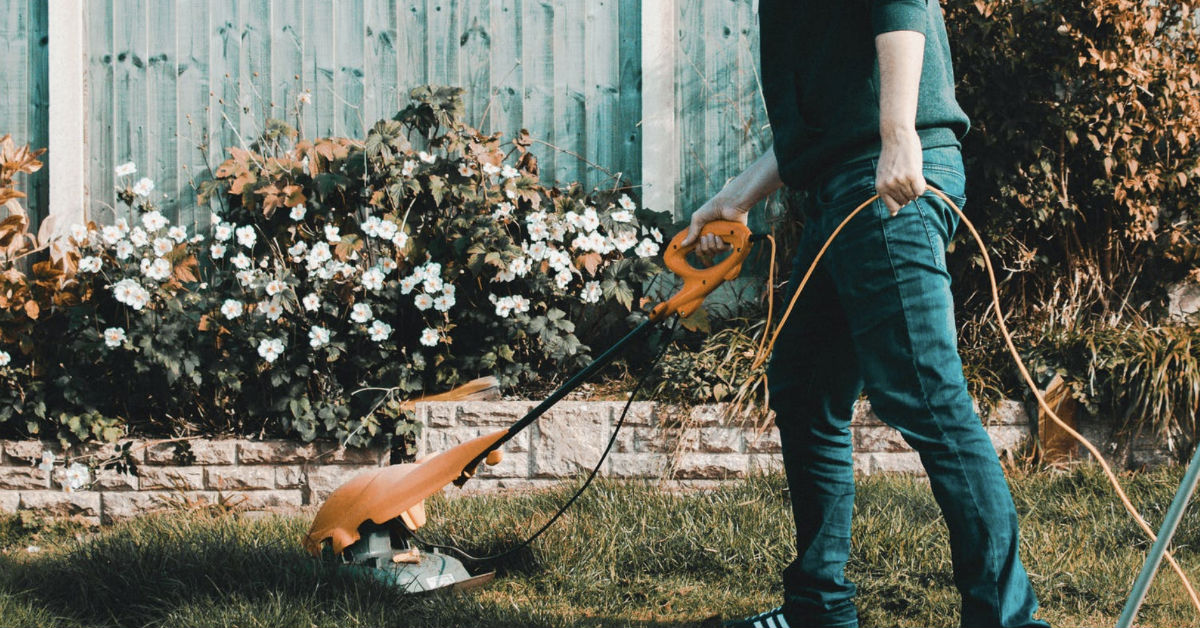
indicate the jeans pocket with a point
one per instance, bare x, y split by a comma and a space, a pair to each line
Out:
845, 188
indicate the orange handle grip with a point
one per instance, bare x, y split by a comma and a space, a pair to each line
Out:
698, 282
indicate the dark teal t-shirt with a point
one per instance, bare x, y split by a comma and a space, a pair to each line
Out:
821, 80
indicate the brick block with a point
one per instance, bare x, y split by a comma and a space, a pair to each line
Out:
324, 480
636, 465
699, 466
204, 452
239, 478
569, 440
512, 465
437, 414
24, 478
495, 413
439, 440
907, 463
1006, 437
171, 478
877, 438
864, 415
274, 452
29, 451
9, 501
641, 413
1009, 412
62, 504
708, 415
270, 500
715, 440
762, 442
764, 463
118, 506
289, 477
110, 480
334, 453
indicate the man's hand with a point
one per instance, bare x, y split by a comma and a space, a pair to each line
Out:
733, 202
717, 208
899, 179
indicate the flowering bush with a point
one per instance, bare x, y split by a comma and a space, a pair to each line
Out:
421, 257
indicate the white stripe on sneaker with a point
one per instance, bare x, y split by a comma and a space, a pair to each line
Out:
771, 622
783, 621
758, 624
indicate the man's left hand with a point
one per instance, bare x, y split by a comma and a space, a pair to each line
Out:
899, 179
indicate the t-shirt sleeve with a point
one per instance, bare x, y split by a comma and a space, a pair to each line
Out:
899, 15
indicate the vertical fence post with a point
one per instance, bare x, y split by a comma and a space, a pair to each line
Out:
660, 143
67, 149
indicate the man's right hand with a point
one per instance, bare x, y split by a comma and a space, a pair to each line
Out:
717, 208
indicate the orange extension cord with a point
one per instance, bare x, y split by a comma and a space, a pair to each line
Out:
765, 350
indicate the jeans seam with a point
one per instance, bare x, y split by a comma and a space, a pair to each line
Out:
993, 562
938, 259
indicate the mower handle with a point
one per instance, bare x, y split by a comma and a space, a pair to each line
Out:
699, 282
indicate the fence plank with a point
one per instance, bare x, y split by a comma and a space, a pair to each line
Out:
628, 128
129, 102
162, 136
37, 185
379, 67
349, 117
569, 106
504, 107
287, 57
101, 148
191, 30
224, 53
537, 66
412, 46
660, 150
320, 62
601, 77
474, 41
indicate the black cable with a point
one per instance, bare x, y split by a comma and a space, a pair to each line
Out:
611, 440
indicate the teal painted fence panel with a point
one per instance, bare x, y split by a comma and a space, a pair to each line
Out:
24, 92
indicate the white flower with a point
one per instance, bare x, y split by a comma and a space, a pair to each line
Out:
519, 303
372, 279
311, 302
387, 229
177, 233
508, 172
626, 203
318, 254
433, 269
558, 231
114, 336
214, 219
360, 313
143, 187
504, 306
231, 308
464, 169
559, 260
131, 293
573, 219
75, 477
538, 231
426, 157
538, 251
519, 266
246, 236
111, 234
429, 337
298, 212
47, 461
432, 283
400, 239
504, 276
89, 264
409, 166
139, 237
305, 98
223, 231
656, 234
270, 349
246, 277
504, 209
241, 262
647, 248
562, 278
79, 233
590, 220
387, 265
379, 330
621, 216
5, 358
275, 286
408, 283
157, 270
624, 240
591, 291
318, 336
443, 303
124, 249
272, 310
162, 246
423, 301
598, 243
332, 234
125, 169
217, 250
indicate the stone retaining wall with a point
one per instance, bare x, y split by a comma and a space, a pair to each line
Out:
566, 442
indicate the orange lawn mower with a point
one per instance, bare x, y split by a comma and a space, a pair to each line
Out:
371, 521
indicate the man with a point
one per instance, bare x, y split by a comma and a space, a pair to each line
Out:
860, 97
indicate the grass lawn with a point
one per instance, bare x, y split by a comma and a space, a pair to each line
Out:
625, 555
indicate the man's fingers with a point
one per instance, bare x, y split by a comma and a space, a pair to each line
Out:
892, 205
693, 231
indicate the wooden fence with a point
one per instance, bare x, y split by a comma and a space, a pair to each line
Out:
664, 92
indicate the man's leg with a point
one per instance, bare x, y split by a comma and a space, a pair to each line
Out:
900, 309
813, 381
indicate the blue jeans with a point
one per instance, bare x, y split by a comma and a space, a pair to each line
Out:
877, 315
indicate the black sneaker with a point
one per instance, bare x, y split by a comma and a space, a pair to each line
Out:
770, 619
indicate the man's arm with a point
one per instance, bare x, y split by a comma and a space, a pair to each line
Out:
734, 201
899, 179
